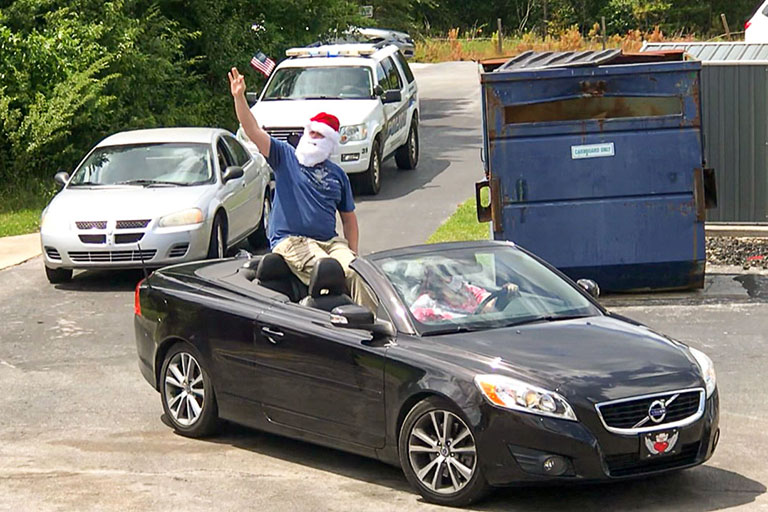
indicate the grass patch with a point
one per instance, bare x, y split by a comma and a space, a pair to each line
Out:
462, 225
21, 204
20, 222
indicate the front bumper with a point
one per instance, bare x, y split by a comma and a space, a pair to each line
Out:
354, 156
159, 247
512, 448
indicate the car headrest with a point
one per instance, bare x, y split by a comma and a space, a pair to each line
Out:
272, 267
328, 274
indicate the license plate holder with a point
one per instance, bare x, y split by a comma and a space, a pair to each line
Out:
660, 443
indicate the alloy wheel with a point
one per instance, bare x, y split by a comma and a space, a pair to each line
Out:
184, 389
376, 171
413, 145
220, 241
442, 452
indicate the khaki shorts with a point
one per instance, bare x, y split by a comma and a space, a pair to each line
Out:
301, 254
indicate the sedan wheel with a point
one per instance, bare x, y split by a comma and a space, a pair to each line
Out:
217, 248
187, 393
259, 238
439, 454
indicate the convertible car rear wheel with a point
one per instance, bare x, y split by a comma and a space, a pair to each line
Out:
438, 454
187, 393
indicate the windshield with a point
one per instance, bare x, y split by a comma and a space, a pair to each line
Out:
146, 164
481, 288
320, 83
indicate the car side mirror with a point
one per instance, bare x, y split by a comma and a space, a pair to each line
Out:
252, 98
232, 173
61, 178
392, 96
590, 287
378, 90
354, 316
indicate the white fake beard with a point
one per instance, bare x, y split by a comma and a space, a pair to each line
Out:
311, 152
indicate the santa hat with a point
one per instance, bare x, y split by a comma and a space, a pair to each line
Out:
326, 125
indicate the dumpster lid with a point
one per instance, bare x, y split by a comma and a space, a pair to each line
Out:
530, 60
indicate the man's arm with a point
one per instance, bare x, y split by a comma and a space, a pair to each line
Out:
244, 114
351, 233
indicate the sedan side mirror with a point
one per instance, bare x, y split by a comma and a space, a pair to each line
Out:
252, 98
590, 287
392, 96
61, 178
232, 173
354, 316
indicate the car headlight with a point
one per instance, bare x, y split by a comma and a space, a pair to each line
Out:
50, 222
182, 218
353, 132
518, 395
707, 370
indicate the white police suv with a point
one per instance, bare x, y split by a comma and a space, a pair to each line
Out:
370, 88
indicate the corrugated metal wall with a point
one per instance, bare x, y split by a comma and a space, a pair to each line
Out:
735, 114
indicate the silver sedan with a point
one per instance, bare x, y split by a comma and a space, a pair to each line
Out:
153, 198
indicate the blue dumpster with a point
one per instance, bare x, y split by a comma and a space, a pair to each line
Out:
594, 163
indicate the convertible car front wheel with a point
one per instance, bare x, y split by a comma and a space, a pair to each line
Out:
187, 393
438, 454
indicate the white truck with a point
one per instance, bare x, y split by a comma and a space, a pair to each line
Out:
370, 88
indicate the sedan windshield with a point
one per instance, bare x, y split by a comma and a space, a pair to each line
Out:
320, 83
146, 165
481, 288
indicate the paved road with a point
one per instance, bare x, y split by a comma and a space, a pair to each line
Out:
81, 430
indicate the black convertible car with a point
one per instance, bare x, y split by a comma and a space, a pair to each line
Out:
483, 366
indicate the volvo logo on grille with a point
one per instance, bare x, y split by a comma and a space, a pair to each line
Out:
657, 411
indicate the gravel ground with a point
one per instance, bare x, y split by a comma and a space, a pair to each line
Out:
740, 251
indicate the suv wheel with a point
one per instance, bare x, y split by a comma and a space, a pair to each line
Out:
407, 155
369, 181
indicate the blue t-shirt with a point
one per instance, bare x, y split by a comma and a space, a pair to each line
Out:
306, 198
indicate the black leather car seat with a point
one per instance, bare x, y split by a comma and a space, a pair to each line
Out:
327, 286
273, 273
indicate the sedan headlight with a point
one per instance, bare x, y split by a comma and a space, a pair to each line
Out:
707, 370
353, 132
182, 218
50, 222
518, 395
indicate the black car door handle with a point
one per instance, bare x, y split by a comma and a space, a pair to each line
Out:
272, 334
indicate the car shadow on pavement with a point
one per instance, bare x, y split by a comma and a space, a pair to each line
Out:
704, 488
697, 489
103, 281
308, 454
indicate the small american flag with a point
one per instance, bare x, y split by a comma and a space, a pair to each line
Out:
262, 63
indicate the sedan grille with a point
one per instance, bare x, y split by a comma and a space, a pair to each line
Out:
52, 253
632, 415
128, 238
91, 224
628, 464
111, 256
93, 239
289, 135
178, 251
132, 224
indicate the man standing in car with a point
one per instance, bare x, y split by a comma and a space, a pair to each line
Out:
309, 190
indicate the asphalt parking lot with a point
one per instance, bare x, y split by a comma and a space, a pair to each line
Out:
81, 430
